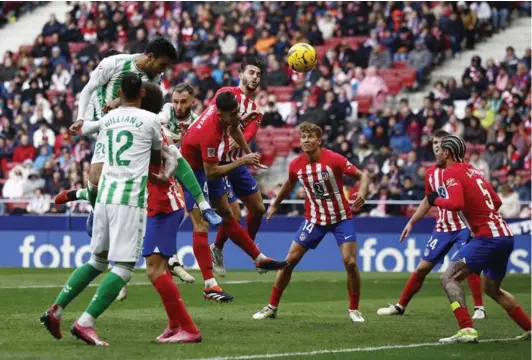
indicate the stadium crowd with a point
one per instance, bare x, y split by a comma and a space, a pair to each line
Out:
39, 85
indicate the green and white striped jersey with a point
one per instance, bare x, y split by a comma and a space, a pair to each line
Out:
105, 81
130, 134
169, 119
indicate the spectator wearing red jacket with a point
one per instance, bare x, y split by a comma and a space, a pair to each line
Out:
24, 151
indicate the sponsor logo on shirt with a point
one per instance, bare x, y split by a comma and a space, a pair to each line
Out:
211, 152
450, 183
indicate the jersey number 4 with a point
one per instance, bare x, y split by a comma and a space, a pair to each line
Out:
489, 200
129, 142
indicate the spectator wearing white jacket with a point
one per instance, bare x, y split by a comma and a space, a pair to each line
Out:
482, 10
39, 204
326, 25
43, 135
60, 79
510, 207
228, 44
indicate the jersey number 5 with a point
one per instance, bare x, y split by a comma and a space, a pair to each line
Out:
129, 142
489, 201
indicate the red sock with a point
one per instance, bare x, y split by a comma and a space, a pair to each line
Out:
475, 284
202, 252
463, 317
520, 317
412, 286
253, 224
354, 298
240, 237
173, 304
275, 296
221, 238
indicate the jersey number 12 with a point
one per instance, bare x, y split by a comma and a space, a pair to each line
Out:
129, 142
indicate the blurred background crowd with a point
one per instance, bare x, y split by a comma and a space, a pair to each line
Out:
371, 56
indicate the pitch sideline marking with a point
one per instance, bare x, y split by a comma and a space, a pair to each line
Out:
49, 286
336, 351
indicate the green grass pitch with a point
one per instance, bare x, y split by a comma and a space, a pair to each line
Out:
312, 317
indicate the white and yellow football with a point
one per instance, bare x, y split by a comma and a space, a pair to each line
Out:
302, 57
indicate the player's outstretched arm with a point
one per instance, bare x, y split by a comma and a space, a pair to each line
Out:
286, 189
420, 213
362, 190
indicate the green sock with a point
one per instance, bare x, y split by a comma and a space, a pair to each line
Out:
105, 294
185, 174
82, 194
92, 193
80, 278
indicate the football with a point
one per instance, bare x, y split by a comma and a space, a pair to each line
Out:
302, 57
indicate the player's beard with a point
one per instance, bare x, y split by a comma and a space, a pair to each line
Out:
249, 87
184, 117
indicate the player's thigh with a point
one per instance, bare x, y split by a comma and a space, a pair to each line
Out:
438, 245
475, 255
235, 209
254, 203
344, 231
310, 235
161, 231
100, 233
500, 248
127, 229
245, 186
95, 172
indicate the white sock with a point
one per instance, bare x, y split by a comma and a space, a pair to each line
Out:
479, 307
272, 307
259, 258
204, 205
86, 319
400, 306
58, 313
209, 283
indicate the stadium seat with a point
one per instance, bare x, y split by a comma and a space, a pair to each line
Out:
76, 47
394, 86
267, 156
364, 103
283, 145
183, 65
282, 93
320, 51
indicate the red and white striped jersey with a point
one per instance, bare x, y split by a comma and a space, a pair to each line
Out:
250, 128
325, 203
163, 198
467, 191
447, 220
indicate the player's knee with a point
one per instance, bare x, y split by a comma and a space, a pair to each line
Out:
258, 210
155, 266
350, 263
200, 227
444, 280
99, 262
124, 270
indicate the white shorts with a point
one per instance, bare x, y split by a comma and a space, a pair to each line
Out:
118, 229
99, 149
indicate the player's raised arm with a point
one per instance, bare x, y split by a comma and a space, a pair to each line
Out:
98, 78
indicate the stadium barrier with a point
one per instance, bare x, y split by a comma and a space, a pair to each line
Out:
61, 242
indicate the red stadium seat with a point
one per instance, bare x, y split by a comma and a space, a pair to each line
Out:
282, 93
76, 47
394, 86
354, 41
267, 156
364, 103
332, 42
399, 65
320, 51
184, 65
